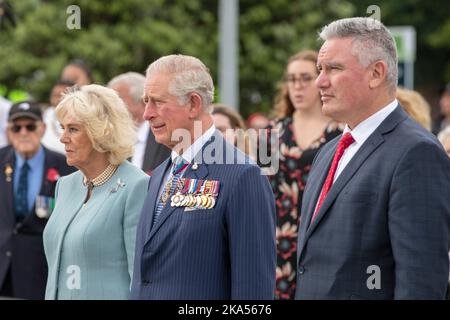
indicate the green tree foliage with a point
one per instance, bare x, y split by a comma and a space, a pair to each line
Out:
431, 19
272, 31
119, 36
115, 37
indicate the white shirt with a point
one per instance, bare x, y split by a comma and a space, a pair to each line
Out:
361, 132
53, 131
139, 147
189, 154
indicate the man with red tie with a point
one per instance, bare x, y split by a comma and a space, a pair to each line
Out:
376, 209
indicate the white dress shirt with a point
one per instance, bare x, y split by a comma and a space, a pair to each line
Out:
139, 147
361, 132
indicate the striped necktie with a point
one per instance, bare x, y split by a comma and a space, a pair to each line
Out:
176, 172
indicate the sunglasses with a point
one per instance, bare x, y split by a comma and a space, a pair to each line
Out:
30, 127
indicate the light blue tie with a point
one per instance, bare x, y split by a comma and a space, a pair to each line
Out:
176, 172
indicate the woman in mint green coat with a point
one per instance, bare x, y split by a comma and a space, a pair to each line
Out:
90, 237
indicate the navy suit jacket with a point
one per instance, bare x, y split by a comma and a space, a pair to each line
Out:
227, 252
21, 247
383, 230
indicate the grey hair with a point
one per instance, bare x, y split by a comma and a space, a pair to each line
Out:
133, 80
189, 75
371, 41
444, 134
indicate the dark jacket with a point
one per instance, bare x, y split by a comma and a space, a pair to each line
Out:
21, 248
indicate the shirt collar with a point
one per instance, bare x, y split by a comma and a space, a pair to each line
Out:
34, 162
198, 144
363, 130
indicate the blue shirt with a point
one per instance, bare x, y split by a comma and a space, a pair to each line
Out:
35, 174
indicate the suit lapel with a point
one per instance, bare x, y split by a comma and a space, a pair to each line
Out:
358, 159
65, 219
369, 146
9, 187
317, 181
78, 198
152, 195
48, 163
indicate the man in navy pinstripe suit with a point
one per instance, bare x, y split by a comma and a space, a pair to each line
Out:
215, 235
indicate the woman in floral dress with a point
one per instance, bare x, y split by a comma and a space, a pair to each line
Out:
302, 131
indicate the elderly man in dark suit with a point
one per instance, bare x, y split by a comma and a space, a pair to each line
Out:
28, 175
148, 154
207, 228
376, 210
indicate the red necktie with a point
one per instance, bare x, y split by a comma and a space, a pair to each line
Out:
345, 141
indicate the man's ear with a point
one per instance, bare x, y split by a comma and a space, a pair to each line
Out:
378, 73
195, 105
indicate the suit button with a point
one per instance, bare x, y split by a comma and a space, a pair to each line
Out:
145, 282
8, 253
301, 270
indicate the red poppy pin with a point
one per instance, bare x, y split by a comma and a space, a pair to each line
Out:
52, 175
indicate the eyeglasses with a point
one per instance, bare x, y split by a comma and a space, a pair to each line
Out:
303, 79
30, 127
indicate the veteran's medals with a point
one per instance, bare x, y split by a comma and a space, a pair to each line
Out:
44, 206
176, 170
166, 192
195, 194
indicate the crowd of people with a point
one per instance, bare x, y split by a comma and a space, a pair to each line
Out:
146, 189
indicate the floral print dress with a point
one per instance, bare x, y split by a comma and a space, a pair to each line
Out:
288, 185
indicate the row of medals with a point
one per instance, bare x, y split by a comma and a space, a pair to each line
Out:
199, 201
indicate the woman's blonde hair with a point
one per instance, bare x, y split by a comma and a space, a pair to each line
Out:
416, 106
283, 106
105, 117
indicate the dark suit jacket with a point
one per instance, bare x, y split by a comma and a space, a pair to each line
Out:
389, 209
227, 252
21, 247
155, 153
